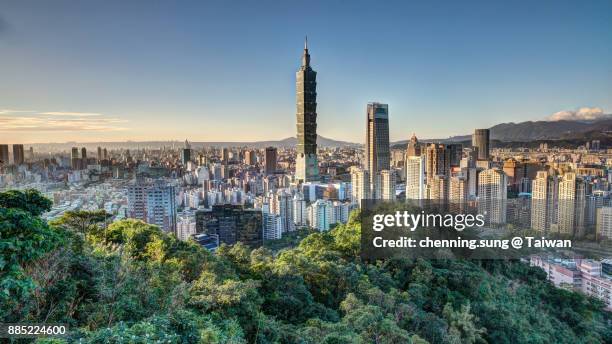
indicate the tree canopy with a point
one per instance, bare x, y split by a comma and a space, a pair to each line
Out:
130, 282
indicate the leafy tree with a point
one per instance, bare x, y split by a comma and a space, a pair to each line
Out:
29, 200
462, 324
129, 282
83, 221
177, 327
24, 238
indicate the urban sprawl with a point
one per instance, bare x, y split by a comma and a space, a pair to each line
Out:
224, 195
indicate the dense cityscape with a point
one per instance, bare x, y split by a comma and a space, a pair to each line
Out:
228, 194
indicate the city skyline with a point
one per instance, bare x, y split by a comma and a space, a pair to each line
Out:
168, 74
313, 172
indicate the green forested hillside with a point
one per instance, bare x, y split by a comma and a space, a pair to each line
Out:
130, 283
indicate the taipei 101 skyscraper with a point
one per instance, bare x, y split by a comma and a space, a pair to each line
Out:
306, 164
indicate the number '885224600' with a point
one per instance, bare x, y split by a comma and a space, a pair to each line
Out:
19, 330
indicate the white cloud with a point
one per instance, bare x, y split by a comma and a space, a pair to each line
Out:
11, 111
71, 114
581, 114
55, 121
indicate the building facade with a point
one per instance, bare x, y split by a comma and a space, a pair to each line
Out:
377, 148
306, 162
18, 154
492, 195
154, 203
232, 223
480, 141
4, 155
271, 157
360, 185
415, 177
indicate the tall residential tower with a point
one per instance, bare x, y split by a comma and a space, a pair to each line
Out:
4, 155
377, 148
18, 154
306, 164
480, 140
271, 157
377, 138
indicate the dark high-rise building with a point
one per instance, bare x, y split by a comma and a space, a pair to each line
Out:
185, 156
480, 140
456, 153
377, 139
224, 155
75, 162
271, 156
186, 153
232, 223
105, 154
437, 162
306, 163
4, 155
249, 157
84, 154
100, 153
18, 154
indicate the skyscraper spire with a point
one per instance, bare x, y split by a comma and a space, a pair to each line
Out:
306, 55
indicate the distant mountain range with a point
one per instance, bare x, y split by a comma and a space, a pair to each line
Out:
287, 142
284, 143
544, 131
566, 133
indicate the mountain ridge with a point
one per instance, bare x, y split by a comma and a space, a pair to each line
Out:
543, 130
529, 131
509, 132
286, 142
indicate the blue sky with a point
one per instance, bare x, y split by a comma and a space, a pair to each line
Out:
225, 70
